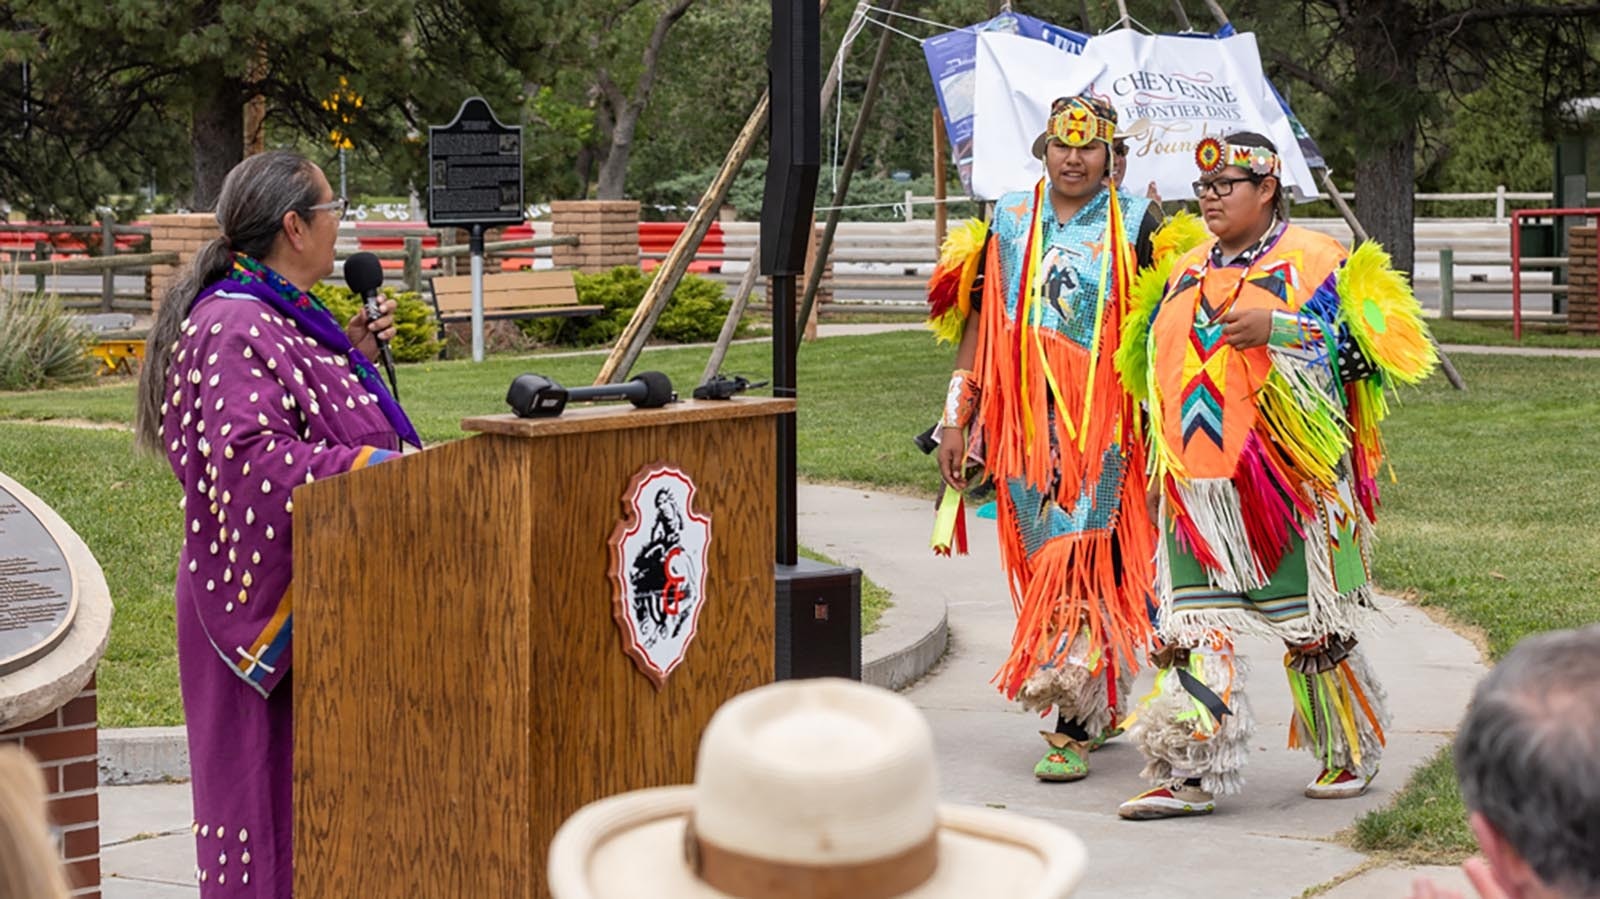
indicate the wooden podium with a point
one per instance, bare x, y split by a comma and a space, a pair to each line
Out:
461, 685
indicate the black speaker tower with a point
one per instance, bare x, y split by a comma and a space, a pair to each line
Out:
794, 137
817, 607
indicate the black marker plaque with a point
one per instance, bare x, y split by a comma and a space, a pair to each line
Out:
474, 169
37, 601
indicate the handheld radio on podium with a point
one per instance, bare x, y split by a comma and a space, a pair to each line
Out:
363, 274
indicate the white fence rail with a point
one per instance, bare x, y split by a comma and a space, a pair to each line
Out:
1502, 199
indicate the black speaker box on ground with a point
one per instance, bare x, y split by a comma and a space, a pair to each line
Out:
819, 621
794, 155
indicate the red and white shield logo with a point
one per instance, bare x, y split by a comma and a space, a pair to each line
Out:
658, 562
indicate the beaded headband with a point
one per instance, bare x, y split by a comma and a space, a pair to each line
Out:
1212, 155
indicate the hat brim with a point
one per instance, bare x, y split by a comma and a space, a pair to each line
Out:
632, 845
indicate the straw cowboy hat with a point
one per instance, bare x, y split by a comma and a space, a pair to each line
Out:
817, 789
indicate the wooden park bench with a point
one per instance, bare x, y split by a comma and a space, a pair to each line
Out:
546, 293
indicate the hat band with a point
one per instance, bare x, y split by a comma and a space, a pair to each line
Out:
749, 877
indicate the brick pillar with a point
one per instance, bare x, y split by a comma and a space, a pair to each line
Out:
65, 742
182, 234
1583, 278
607, 231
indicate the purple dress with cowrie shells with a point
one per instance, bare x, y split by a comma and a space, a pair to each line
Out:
264, 393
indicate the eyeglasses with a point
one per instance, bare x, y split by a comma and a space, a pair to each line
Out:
1221, 187
340, 204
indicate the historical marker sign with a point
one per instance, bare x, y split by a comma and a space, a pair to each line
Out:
37, 600
474, 169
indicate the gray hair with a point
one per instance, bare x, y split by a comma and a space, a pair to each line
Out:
1528, 756
255, 196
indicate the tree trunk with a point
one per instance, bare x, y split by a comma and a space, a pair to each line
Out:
216, 138
1385, 182
1383, 42
614, 172
583, 170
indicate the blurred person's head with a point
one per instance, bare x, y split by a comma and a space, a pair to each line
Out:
1528, 759
30, 865
810, 788
1119, 161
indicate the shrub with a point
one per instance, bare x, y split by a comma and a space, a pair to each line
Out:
41, 345
416, 336
694, 314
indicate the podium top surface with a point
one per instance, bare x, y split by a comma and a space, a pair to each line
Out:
616, 417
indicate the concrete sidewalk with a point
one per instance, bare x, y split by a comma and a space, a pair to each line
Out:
1269, 842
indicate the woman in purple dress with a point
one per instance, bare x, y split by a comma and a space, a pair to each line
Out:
251, 388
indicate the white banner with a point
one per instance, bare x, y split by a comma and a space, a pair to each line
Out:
1017, 80
1170, 93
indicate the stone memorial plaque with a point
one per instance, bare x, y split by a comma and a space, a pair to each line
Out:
474, 169
37, 599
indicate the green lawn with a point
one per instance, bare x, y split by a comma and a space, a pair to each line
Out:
1534, 334
1492, 519
125, 507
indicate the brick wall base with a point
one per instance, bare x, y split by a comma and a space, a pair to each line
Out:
1583, 276
65, 742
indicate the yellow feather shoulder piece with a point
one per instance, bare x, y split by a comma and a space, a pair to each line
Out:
1133, 352
1383, 316
1180, 233
950, 287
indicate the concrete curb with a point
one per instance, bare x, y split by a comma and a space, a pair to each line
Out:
911, 638
142, 755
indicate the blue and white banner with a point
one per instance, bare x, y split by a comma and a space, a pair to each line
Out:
1308, 145
952, 62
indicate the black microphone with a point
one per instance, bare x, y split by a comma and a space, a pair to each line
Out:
536, 396
363, 274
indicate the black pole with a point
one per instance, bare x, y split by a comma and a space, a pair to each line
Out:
794, 156
783, 386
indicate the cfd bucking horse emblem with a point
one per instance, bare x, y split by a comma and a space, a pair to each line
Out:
659, 553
